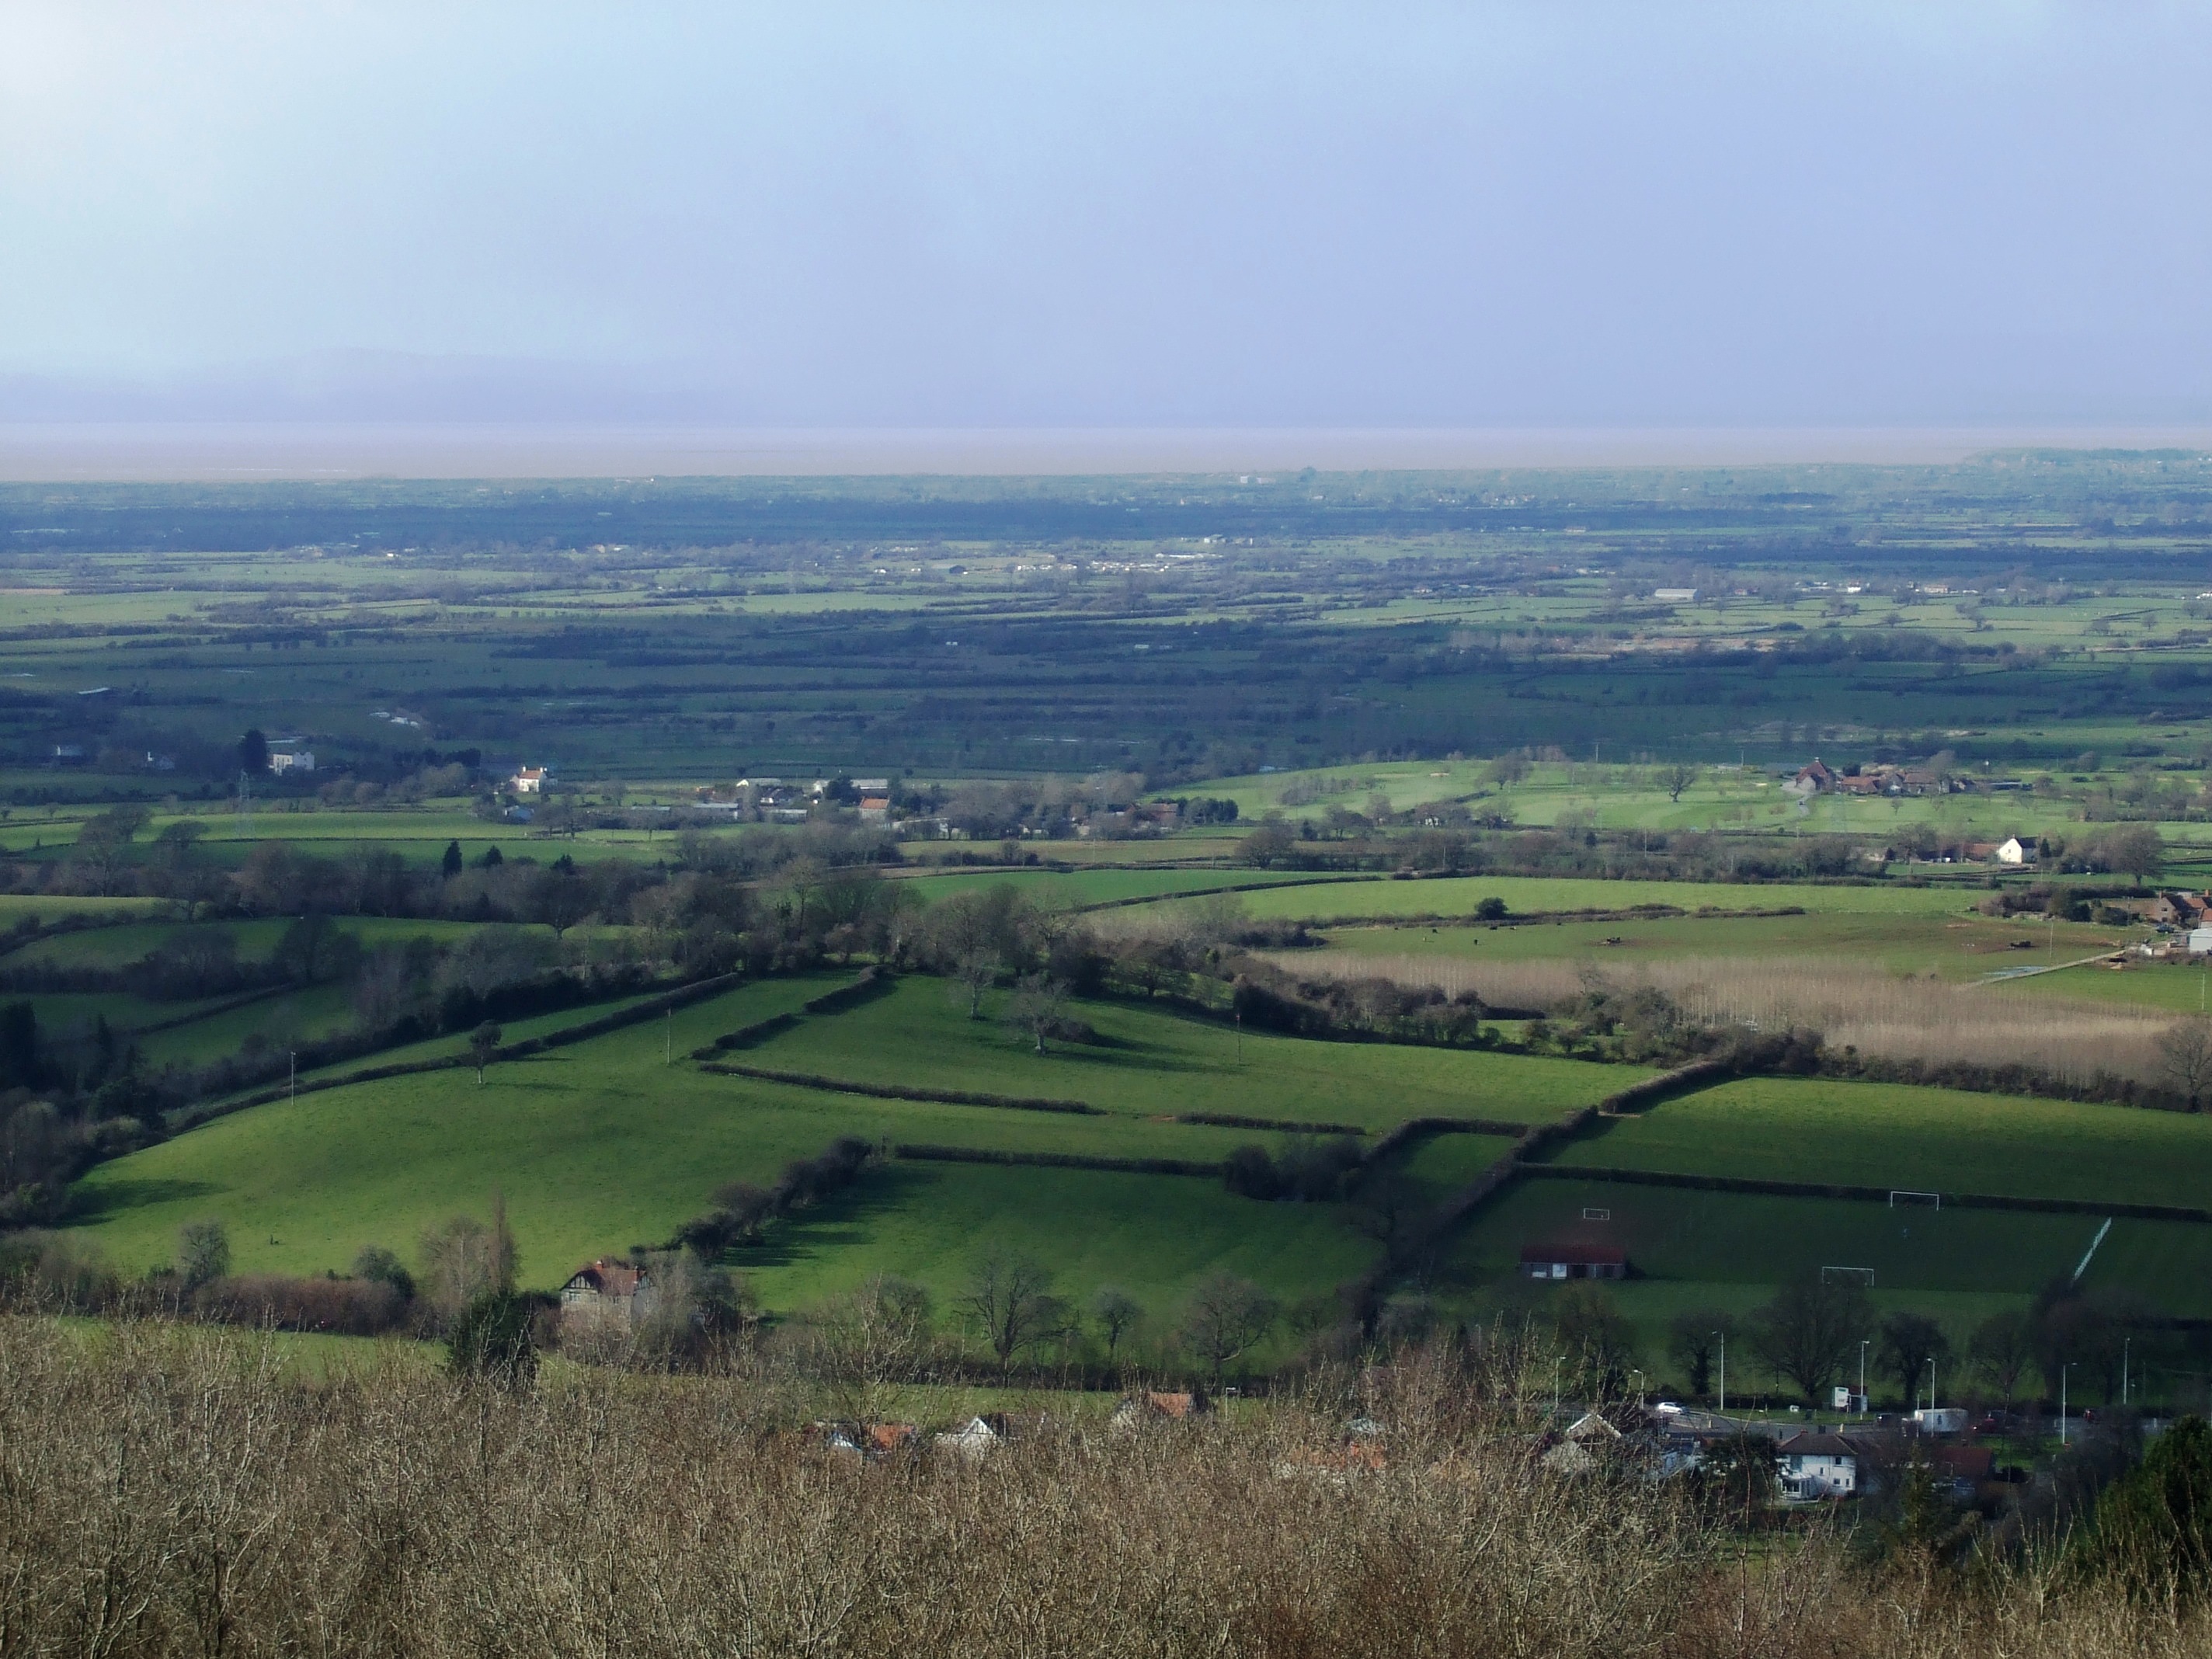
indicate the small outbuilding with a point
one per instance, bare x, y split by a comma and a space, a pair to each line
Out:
1572, 1260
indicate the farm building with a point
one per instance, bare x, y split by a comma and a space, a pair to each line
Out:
1812, 779
874, 809
2186, 909
1566, 1261
2200, 940
530, 781
297, 760
607, 1289
2017, 849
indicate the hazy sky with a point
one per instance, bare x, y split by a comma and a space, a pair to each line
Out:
1113, 215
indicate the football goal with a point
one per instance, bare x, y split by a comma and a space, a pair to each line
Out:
1863, 1276
1915, 1200
1593, 1214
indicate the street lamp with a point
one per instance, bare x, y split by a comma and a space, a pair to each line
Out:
1637, 1372
1862, 1400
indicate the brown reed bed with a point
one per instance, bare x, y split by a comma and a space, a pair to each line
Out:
1858, 1005
175, 1490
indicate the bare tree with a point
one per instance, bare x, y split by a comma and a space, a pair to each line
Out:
1805, 1332
2185, 1054
1116, 1312
1226, 1317
1911, 1344
1037, 1005
1676, 778
975, 971
1009, 1295
2002, 1349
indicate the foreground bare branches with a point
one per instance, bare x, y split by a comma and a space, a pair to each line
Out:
172, 1491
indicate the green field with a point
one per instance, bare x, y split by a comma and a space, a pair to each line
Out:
1876, 1134
600, 1145
1091, 887
1744, 1239
1457, 896
1154, 1062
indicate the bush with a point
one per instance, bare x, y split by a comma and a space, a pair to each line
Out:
495, 1340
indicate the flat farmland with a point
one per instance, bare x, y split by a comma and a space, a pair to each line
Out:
1102, 886
1457, 896
1754, 1239
596, 1146
1150, 1236
1154, 1062
1886, 1135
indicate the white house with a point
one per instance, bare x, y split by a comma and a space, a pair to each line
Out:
298, 760
530, 781
2200, 941
2017, 849
1817, 1466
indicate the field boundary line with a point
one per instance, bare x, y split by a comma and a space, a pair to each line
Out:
682, 996
1417, 1129
1698, 1074
887, 1091
1599, 1172
929, 1153
1347, 880
1287, 1126
245, 999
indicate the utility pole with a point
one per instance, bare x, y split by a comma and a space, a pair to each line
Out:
2126, 1342
668, 1040
1555, 1387
295, 1074
1239, 1018
1723, 1405
1862, 1400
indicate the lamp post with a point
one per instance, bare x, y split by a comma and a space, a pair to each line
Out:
1639, 1375
1861, 1399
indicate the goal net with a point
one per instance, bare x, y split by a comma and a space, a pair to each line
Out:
1860, 1276
1920, 1201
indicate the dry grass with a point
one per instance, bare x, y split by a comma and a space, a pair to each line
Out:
168, 1492
1861, 1005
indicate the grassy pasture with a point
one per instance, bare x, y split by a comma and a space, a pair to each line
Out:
1457, 896
1875, 1134
1151, 1235
1154, 1062
1746, 1239
117, 946
600, 1145
1100, 886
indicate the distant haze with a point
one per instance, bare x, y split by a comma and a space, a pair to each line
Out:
673, 231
